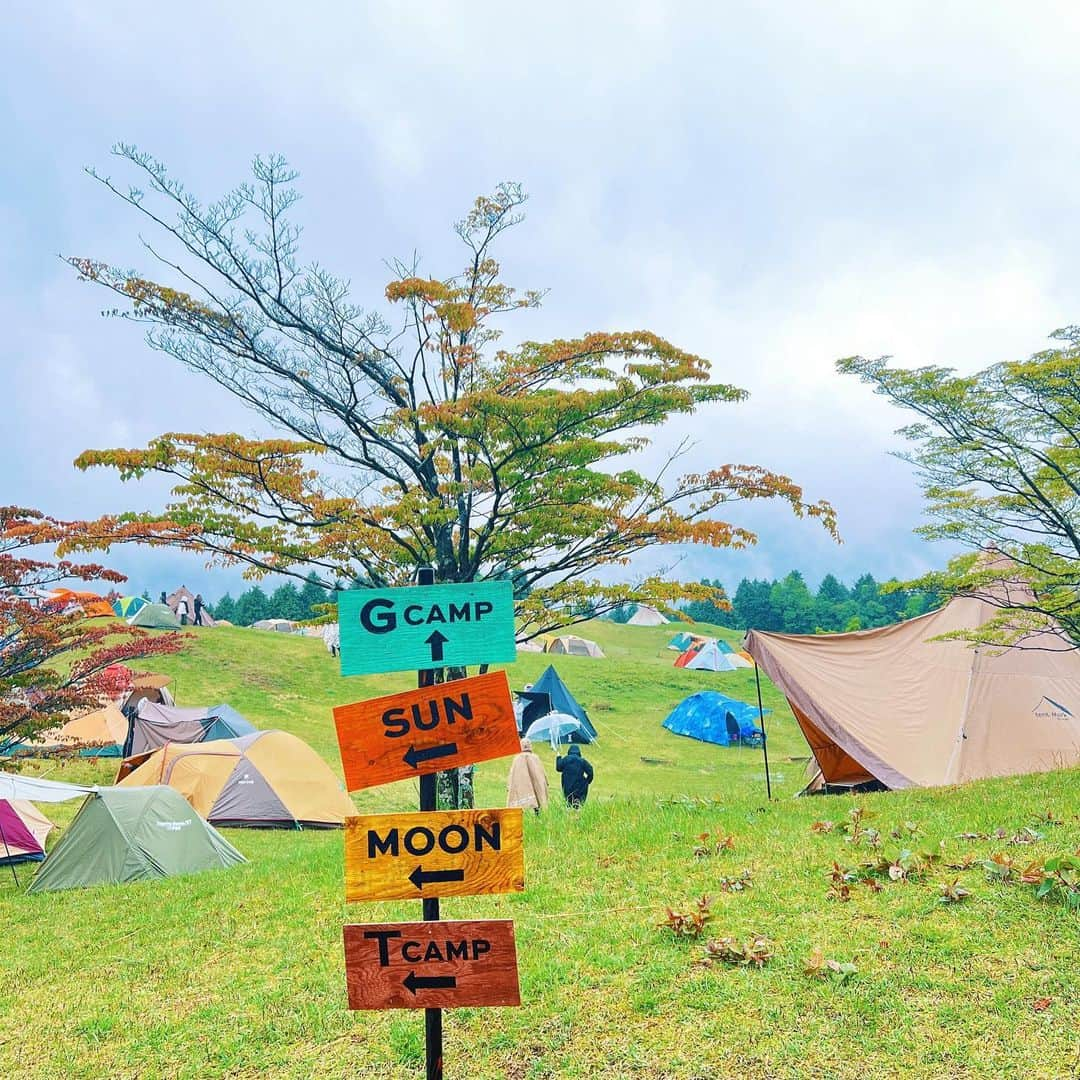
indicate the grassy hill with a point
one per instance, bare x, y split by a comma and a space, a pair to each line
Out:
240, 973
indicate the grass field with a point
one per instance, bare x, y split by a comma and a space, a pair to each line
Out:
239, 973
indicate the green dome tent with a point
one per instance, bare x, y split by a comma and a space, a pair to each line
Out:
133, 834
154, 617
126, 606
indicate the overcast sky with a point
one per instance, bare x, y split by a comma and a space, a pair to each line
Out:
772, 186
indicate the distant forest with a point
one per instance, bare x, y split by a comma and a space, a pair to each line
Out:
788, 606
285, 602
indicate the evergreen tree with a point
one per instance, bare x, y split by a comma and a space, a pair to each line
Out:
225, 609
794, 604
285, 603
623, 614
832, 605
753, 608
146, 595
251, 607
866, 596
311, 594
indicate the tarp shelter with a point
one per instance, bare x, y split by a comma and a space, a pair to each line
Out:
23, 829
154, 617
569, 645
147, 687
155, 725
710, 657
133, 834
184, 593
646, 616
267, 779
281, 626
126, 606
35, 789
100, 733
550, 694
892, 705
714, 718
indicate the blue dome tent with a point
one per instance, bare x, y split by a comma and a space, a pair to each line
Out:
713, 717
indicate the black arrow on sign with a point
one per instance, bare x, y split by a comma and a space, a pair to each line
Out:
436, 641
415, 757
419, 877
413, 982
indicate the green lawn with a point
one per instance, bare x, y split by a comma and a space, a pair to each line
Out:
240, 974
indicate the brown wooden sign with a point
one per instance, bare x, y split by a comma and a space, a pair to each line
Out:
431, 965
426, 731
444, 853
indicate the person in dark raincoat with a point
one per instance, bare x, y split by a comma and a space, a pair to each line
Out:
577, 775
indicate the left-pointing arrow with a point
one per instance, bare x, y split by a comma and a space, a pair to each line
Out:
421, 877
437, 640
413, 982
415, 757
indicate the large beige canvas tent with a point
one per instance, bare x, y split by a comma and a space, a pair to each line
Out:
892, 705
570, 645
646, 616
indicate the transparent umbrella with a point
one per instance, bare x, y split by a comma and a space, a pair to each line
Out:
556, 727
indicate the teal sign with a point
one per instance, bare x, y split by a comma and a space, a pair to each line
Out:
426, 626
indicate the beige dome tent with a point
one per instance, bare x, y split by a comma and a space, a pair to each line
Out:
646, 616
269, 779
569, 645
894, 706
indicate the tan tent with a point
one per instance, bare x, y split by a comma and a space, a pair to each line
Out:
569, 645
894, 706
103, 728
268, 778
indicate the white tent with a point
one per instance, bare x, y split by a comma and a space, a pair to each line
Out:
646, 616
710, 657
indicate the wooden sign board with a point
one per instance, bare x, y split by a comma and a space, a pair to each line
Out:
424, 731
431, 965
426, 626
439, 853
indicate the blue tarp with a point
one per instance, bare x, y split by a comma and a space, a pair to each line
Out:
704, 716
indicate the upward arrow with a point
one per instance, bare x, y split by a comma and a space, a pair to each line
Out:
437, 640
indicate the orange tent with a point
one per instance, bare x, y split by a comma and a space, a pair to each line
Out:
93, 606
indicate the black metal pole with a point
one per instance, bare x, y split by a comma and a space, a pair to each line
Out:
433, 1034
764, 737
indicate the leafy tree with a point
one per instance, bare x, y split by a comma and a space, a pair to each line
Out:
225, 609
251, 606
716, 609
866, 596
51, 660
998, 457
622, 614
410, 438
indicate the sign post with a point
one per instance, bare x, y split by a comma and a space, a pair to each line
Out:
441, 725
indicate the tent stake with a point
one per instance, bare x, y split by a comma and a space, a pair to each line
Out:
764, 738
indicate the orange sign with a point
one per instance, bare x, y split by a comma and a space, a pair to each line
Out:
439, 853
426, 731
431, 965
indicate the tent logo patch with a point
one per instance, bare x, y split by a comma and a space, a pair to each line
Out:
1048, 709
174, 826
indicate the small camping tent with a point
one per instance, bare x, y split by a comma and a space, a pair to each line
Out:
132, 834
93, 606
100, 733
23, 829
155, 725
126, 606
154, 617
569, 645
895, 706
714, 718
646, 616
681, 641
281, 626
710, 657
550, 694
268, 779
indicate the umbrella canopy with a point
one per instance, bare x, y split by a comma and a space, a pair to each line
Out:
558, 727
